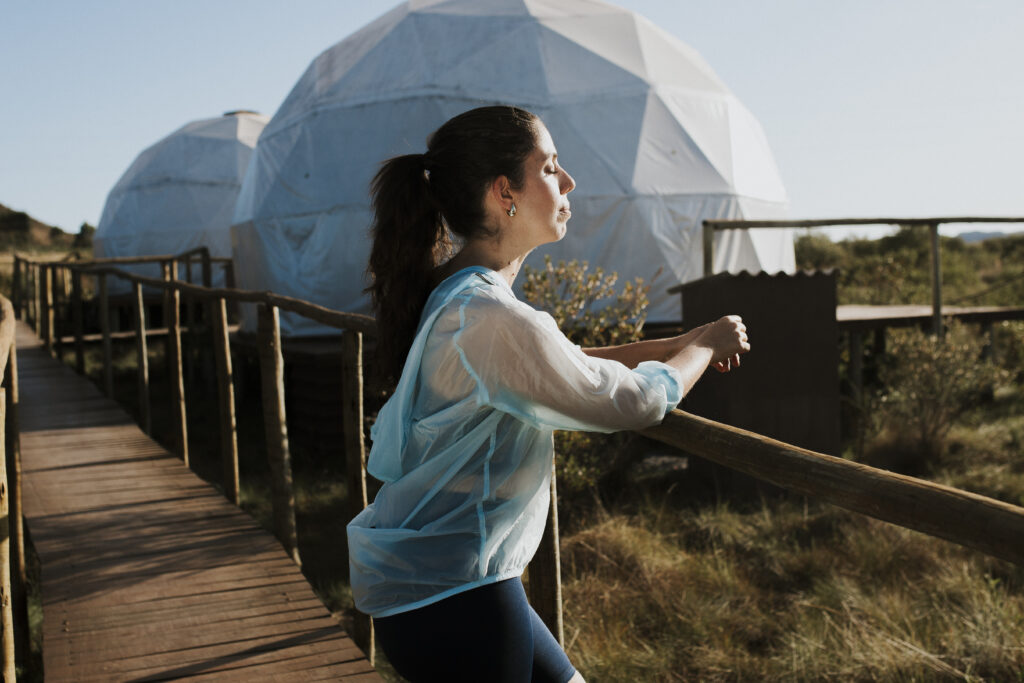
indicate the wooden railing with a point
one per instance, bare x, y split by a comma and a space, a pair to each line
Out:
14, 634
712, 226
969, 519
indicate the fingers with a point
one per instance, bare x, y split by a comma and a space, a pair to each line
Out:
727, 364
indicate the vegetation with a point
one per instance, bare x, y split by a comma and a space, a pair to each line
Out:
927, 383
896, 269
585, 304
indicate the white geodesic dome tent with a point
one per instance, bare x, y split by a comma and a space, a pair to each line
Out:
654, 139
180, 193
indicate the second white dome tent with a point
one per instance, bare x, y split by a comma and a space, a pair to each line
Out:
180, 192
654, 139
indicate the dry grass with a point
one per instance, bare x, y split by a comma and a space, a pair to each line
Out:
785, 592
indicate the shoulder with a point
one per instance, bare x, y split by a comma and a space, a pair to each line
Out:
496, 306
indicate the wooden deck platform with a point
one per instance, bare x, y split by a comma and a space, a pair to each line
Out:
149, 574
861, 318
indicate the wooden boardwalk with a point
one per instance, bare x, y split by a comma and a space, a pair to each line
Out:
148, 573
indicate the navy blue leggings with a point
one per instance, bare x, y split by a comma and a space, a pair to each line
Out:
488, 633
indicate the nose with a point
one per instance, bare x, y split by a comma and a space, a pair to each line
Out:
567, 183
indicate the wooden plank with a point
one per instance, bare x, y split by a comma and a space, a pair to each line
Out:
149, 574
863, 317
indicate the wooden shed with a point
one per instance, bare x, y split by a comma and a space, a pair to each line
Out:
788, 385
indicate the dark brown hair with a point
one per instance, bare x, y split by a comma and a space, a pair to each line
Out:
418, 198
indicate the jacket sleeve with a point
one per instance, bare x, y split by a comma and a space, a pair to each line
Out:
525, 366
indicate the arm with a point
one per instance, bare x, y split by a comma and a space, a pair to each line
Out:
523, 365
633, 354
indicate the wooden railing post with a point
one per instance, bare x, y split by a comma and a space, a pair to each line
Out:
6, 604
276, 423
32, 295
56, 318
36, 300
355, 457
226, 399
708, 237
142, 358
172, 319
78, 316
108, 353
19, 571
933, 229
207, 267
545, 572
191, 321
16, 289
40, 298
46, 275
229, 283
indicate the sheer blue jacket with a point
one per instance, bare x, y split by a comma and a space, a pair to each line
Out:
464, 446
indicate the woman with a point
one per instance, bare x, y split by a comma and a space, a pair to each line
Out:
464, 446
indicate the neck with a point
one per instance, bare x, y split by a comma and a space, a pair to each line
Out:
486, 254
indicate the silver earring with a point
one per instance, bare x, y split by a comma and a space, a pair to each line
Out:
512, 211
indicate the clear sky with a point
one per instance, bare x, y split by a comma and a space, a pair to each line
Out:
875, 107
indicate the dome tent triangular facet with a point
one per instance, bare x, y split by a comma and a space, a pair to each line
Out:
655, 141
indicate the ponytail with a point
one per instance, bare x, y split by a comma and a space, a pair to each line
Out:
418, 198
409, 240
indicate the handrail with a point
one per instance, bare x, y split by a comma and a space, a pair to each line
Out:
969, 519
127, 260
740, 224
14, 632
7, 332
321, 314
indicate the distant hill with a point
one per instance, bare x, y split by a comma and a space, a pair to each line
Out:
18, 229
978, 236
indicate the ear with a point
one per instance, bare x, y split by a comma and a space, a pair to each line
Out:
501, 192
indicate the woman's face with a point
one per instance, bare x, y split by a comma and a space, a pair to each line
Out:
542, 208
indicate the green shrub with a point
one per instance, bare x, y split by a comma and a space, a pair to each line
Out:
585, 304
930, 382
815, 251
